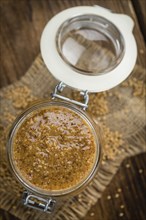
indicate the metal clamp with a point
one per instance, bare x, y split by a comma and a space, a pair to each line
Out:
59, 88
36, 202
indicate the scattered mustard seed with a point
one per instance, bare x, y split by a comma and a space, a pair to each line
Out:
122, 206
109, 197
92, 214
9, 117
127, 165
140, 171
119, 190
121, 214
141, 51
21, 96
138, 86
112, 140
117, 195
98, 104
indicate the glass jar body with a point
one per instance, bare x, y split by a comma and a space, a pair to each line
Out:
41, 193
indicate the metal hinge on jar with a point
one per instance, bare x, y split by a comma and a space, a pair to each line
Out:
59, 88
36, 202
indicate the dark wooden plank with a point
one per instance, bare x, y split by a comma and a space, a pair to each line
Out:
140, 9
4, 215
22, 22
129, 204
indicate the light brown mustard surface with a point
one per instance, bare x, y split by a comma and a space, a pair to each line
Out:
54, 148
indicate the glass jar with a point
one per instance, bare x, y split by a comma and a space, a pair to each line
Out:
35, 196
87, 48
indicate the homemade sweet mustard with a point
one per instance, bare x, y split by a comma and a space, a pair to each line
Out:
54, 148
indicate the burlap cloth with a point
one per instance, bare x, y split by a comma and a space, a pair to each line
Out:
125, 115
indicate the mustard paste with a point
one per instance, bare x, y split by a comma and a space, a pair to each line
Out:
54, 148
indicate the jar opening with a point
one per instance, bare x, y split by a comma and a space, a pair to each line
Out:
90, 44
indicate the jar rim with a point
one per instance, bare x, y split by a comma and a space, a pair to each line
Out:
37, 190
104, 31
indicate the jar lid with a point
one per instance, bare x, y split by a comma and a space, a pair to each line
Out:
89, 48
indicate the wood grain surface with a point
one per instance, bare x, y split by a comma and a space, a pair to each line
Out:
22, 22
140, 9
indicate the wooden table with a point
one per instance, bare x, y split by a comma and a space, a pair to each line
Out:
22, 22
